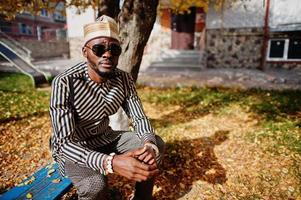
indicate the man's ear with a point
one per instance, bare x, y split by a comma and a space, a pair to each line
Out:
84, 52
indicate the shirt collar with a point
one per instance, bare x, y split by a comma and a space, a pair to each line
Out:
87, 77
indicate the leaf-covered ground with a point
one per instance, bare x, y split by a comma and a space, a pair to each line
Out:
221, 143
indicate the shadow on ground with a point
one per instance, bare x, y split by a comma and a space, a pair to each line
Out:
187, 161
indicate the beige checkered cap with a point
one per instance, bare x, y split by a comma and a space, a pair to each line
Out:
104, 26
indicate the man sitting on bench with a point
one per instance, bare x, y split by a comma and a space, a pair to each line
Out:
82, 99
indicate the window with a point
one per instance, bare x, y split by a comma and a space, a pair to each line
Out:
58, 16
277, 48
284, 49
294, 49
25, 29
44, 13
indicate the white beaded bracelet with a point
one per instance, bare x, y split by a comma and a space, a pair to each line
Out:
154, 147
109, 166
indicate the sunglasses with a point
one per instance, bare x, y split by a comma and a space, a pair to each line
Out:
100, 49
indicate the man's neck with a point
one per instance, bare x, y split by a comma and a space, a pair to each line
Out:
95, 77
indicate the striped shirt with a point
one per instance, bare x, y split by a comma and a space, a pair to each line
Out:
80, 110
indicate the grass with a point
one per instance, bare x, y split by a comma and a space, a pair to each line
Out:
19, 98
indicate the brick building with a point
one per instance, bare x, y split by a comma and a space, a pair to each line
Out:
45, 31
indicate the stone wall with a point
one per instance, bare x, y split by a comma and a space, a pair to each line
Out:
240, 48
235, 48
284, 65
42, 50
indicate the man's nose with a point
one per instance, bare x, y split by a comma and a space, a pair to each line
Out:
107, 54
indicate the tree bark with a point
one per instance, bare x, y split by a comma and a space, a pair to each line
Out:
109, 8
136, 21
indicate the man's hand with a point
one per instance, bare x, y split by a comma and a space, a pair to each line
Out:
128, 166
147, 155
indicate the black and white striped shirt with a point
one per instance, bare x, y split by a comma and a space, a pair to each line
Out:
80, 110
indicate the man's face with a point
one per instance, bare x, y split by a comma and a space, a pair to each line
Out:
102, 55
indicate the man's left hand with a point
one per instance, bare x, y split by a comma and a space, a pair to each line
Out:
147, 155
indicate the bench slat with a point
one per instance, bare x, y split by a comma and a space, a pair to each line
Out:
53, 190
42, 187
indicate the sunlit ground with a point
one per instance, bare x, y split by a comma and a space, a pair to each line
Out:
221, 143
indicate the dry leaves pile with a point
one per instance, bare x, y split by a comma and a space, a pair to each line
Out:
209, 157
23, 148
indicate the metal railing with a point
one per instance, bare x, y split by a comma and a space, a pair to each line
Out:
16, 46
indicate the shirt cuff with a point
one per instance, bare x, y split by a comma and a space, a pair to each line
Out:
95, 161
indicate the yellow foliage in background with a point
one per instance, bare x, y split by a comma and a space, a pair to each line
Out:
183, 6
9, 8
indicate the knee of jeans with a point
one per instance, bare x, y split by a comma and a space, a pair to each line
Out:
92, 188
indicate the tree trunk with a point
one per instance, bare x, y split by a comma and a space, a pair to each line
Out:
109, 8
136, 21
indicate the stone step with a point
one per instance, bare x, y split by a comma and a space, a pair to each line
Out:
195, 60
183, 52
171, 53
173, 67
175, 63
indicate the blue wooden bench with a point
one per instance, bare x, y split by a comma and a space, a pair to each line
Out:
45, 184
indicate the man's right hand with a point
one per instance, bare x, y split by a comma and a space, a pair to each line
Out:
128, 166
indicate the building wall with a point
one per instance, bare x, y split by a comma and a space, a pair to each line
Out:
33, 27
76, 22
241, 14
234, 35
42, 50
75, 45
284, 13
284, 65
251, 14
234, 48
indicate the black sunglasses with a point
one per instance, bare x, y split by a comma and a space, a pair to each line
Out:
100, 49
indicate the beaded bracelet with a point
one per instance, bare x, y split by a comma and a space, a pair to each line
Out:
109, 166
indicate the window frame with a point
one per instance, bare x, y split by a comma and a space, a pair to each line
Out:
285, 52
25, 29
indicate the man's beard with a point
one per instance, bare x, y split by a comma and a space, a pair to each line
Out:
106, 75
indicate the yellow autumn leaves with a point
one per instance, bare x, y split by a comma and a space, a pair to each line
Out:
182, 6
